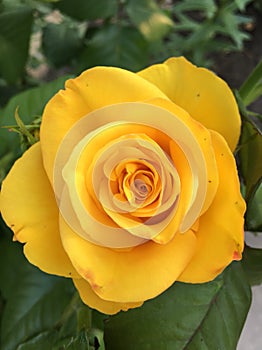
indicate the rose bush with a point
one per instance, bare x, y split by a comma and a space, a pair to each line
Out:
133, 185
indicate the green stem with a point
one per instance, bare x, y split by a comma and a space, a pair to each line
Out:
252, 80
84, 318
83, 314
68, 311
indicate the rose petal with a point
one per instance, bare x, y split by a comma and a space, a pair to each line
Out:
166, 171
200, 92
128, 276
207, 183
178, 126
94, 301
220, 233
94, 88
28, 206
124, 152
91, 229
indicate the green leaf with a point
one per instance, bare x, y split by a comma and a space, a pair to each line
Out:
81, 342
254, 211
254, 94
230, 26
61, 42
31, 104
88, 9
34, 301
10, 255
49, 0
42, 341
241, 4
209, 7
5, 163
9, 4
14, 43
251, 88
252, 263
148, 17
250, 154
186, 316
49, 340
127, 49
96, 338
199, 38
36, 305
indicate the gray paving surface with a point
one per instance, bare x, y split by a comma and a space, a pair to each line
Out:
251, 337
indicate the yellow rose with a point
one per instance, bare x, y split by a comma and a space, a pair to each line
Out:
133, 185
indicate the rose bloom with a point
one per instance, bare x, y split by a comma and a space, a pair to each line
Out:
133, 185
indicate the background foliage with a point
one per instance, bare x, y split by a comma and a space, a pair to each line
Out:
42, 43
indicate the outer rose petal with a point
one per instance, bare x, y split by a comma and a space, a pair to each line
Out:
28, 206
220, 237
200, 92
94, 88
90, 298
129, 276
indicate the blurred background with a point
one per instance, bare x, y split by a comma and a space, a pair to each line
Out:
42, 40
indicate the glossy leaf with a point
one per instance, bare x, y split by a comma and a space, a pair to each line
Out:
149, 18
127, 49
241, 4
35, 306
251, 88
186, 316
61, 42
207, 6
254, 94
80, 342
250, 155
49, 340
10, 255
14, 43
31, 104
34, 301
88, 9
42, 341
49, 0
252, 263
254, 211
230, 22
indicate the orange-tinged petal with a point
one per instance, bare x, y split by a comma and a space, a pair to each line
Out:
186, 179
131, 275
90, 298
203, 139
88, 158
147, 114
200, 92
220, 235
28, 206
93, 89
129, 147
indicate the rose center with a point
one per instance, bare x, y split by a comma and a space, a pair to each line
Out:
141, 189
136, 182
